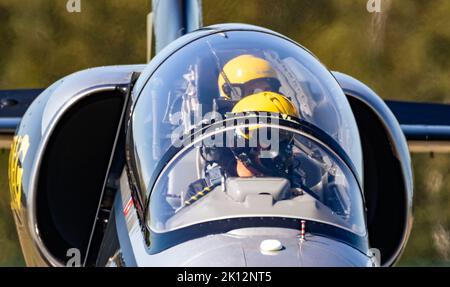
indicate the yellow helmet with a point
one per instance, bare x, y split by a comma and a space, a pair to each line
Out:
266, 102
243, 69
250, 161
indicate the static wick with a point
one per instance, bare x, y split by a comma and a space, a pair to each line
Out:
302, 231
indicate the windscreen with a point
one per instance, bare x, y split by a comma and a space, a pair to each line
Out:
289, 174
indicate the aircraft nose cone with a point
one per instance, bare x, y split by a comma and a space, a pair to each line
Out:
261, 247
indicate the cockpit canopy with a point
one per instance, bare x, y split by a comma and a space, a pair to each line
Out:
199, 85
200, 183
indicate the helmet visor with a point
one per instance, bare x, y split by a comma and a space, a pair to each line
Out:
237, 91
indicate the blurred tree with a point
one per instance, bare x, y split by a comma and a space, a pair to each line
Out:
42, 41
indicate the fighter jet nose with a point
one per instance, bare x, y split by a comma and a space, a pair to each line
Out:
261, 247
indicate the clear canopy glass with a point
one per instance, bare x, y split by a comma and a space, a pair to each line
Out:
194, 85
193, 188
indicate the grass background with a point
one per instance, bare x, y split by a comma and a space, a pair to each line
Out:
402, 53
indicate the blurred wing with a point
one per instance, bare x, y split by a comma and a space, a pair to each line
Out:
13, 104
426, 126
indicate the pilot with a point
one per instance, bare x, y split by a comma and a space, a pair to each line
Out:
248, 161
247, 75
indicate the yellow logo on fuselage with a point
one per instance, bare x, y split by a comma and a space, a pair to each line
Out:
17, 155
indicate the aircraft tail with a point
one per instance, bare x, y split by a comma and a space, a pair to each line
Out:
173, 19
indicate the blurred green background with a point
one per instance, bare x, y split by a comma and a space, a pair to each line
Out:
402, 53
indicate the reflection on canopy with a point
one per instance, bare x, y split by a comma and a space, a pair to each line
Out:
189, 88
317, 185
